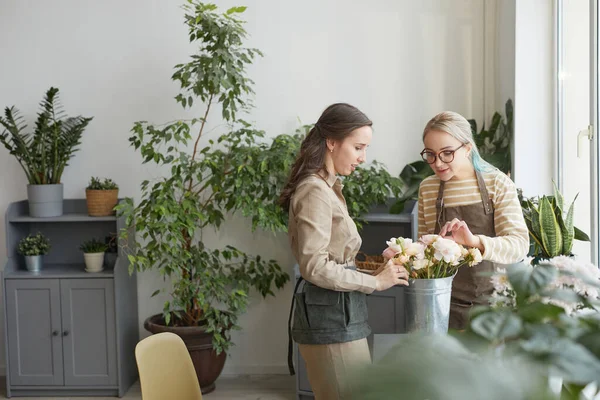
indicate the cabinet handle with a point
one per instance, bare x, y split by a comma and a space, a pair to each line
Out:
65, 333
55, 333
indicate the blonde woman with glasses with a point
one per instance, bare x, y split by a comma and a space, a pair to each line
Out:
473, 203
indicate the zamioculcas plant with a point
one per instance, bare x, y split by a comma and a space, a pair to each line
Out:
551, 230
45, 152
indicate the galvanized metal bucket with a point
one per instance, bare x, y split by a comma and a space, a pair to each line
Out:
33, 263
427, 305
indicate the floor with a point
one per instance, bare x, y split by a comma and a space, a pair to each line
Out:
268, 387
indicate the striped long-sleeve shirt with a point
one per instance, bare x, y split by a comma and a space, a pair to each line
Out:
512, 237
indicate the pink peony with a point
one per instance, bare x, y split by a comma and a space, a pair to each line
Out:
389, 253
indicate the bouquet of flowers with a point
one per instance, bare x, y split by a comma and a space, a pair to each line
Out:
432, 256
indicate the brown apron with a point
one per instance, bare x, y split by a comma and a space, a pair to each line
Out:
468, 287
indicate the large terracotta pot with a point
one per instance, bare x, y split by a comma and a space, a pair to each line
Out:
208, 364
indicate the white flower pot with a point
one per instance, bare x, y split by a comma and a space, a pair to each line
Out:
93, 261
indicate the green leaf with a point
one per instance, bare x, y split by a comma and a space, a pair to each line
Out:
497, 326
580, 235
563, 295
234, 10
528, 280
565, 358
591, 341
551, 235
538, 312
560, 201
536, 229
568, 230
398, 207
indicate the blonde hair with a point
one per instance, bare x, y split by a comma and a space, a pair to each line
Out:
459, 128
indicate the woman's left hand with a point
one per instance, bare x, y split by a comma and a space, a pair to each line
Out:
461, 234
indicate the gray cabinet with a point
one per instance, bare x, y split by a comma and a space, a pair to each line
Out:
68, 332
64, 332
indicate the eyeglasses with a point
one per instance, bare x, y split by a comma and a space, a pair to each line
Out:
446, 156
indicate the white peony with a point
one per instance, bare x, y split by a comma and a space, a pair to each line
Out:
428, 239
415, 249
405, 242
447, 250
476, 254
420, 264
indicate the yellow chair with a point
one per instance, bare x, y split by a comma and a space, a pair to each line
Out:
166, 369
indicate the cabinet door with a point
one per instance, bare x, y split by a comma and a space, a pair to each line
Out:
34, 326
386, 310
88, 319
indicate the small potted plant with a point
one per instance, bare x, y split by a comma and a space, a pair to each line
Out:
101, 197
93, 253
43, 152
110, 256
33, 248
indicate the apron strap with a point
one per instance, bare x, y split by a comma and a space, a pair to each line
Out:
290, 341
439, 207
485, 198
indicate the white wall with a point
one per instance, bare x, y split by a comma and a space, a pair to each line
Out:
399, 61
505, 53
534, 97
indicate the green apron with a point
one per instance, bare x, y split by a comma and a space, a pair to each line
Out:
323, 316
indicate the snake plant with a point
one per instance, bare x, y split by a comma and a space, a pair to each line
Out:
551, 230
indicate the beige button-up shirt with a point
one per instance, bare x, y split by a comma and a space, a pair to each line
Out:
323, 236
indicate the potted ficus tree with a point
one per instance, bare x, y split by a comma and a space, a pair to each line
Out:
208, 287
45, 152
